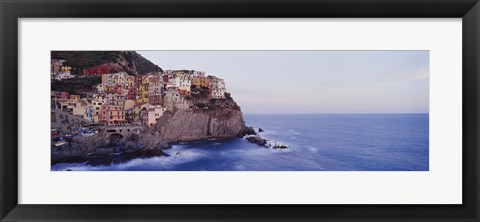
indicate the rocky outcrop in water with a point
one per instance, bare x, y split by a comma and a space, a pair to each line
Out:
263, 142
248, 131
104, 149
257, 140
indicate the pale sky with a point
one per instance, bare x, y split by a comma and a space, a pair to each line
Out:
313, 82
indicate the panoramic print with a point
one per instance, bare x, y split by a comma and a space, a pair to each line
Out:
239, 110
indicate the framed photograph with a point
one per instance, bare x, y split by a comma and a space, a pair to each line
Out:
226, 110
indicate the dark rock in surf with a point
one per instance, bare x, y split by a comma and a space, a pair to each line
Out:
257, 140
247, 131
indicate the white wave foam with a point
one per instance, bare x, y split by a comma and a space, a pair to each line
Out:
313, 149
177, 156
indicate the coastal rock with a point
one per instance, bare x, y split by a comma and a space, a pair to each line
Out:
248, 131
279, 146
104, 149
190, 125
219, 119
257, 140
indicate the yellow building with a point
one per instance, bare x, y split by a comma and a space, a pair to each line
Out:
142, 91
130, 82
143, 100
96, 105
66, 69
145, 79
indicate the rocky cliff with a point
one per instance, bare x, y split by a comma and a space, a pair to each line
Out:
221, 120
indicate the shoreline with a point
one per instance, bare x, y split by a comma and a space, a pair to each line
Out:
105, 158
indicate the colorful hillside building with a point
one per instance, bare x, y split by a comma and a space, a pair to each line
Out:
218, 88
99, 70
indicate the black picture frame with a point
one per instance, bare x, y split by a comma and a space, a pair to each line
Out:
12, 10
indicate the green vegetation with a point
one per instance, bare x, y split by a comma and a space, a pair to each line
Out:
85, 59
142, 65
77, 86
130, 61
199, 92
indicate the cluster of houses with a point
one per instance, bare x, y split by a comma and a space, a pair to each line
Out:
124, 99
59, 71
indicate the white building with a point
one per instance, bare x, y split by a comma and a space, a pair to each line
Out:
198, 74
124, 92
171, 94
152, 115
56, 65
218, 87
112, 97
63, 75
101, 88
173, 99
185, 82
84, 110
173, 81
74, 107
155, 88
115, 79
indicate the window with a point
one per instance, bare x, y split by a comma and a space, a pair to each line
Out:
54, 117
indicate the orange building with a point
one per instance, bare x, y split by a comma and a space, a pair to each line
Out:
201, 81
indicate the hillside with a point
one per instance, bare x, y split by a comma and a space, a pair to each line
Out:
77, 86
128, 61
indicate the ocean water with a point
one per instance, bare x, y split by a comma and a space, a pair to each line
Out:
385, 142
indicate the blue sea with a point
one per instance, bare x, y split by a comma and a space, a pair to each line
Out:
373, 142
